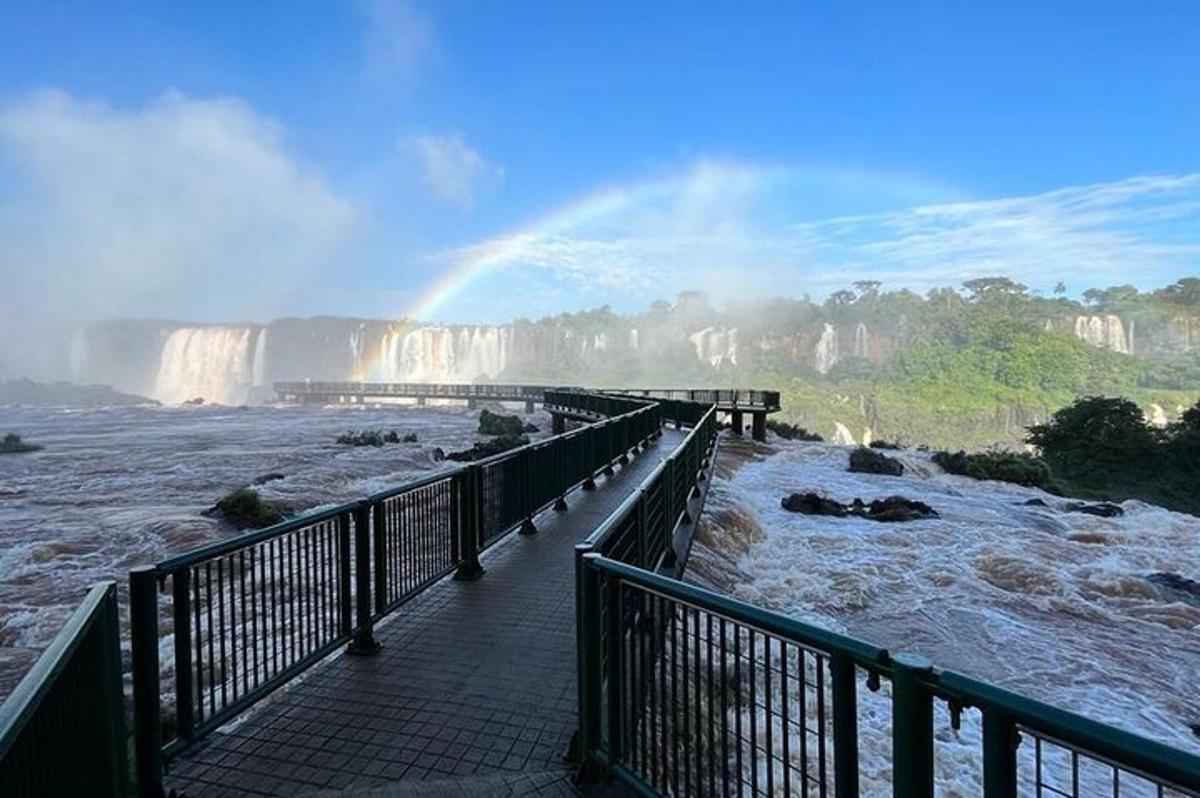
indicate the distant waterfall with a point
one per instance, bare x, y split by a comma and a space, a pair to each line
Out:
826, 353
714, 346
258, 373
633, 339
215, 363
1105, 332
444, 354
860, 340
842, 434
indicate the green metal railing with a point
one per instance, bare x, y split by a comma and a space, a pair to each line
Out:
687, 692
70, 701
251, 613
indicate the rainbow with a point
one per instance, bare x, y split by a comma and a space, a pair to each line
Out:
475, 262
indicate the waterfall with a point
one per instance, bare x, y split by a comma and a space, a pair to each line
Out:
633, 338
1104, 332
444, 354
599, 342
826, 352
1131, 350
714, 346
79, 355
258, 372
860, 340
215, 363
842, 434
358, 347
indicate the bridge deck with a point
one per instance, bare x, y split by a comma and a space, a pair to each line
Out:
473, 693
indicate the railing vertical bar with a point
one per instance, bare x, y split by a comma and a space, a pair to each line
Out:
845, 726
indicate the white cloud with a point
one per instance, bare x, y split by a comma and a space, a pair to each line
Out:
182, 207
454, 171
400, 39
740, 231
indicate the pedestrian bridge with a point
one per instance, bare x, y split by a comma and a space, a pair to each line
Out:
411, 644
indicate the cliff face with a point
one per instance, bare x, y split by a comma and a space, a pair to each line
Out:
176, 361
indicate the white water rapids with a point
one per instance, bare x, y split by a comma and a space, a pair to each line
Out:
1051, 604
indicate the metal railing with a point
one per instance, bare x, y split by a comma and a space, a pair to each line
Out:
413, 389
687, 692
70, 701
746, 399
251, 613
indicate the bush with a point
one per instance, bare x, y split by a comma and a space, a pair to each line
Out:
868, 461
245, 509
12, 444
882, 444
495, 424
1016, 467
791, 432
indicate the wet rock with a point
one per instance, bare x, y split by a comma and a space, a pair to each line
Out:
410, 437
1035, 503
245, 509
1189, 588
812, 504
869, 461
529, 427
495, 446
791, 432
12, 444
495, 424
1101, 509
439, 454
893, 509
263, 479
199, 400
896, 509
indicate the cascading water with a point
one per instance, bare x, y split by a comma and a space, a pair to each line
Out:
633, 339
825, 354
259, 370
860, 340
1105, 332
213, 363
444, 354
714, 346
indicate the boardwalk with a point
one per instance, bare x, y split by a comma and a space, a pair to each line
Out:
473, 693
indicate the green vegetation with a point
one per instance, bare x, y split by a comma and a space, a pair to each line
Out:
245, 509
1018, 467
1102, 448
370, 437
869, 461
791, 432
12, 444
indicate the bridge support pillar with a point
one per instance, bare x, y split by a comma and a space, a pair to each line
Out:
737, 421
558, 424
528, 405
472, 404
589, 483
759, 422
420, 401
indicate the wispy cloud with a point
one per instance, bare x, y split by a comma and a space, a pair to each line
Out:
183, 207
742, 231
454, 171
400, 39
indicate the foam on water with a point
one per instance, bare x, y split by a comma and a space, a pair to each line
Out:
120, 487
1048, 603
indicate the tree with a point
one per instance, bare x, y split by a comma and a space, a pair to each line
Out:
1060, 288
982, 288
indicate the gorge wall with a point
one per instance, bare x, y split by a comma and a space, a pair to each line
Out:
234, 364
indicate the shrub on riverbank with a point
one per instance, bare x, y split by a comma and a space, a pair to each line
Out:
791, 432
245, 509
1016, 467
12, 444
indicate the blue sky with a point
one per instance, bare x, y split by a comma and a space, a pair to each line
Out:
481, 160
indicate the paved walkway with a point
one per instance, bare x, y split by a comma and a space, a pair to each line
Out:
473, 693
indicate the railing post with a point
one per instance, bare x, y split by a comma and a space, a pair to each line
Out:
845, 726
469, 568
1000, 740
364, 641
614, 679
527, 525
147, 711
181, 592
379, 545
640, 519
344, 575
590, 676
560, 504
912, 727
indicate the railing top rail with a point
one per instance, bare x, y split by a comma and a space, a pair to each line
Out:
221, 547
24, 700
1127, 750
864, 654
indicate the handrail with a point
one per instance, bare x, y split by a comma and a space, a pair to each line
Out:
70, 699
252, 612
